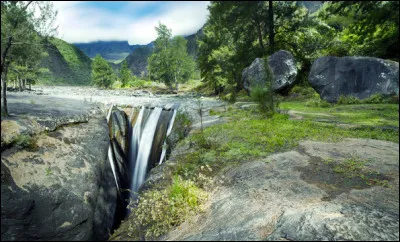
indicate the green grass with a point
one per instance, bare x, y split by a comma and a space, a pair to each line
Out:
359, 114
160, 210
248, 136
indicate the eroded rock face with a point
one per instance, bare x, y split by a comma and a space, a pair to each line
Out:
64, 190
354, 76
296, 195
283, 68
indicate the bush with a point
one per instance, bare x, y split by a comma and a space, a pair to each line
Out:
379, 98
135, 82
160, 210
229, 94
303, 91
373, 99
264, 97
348, 100
316, 101
26, 141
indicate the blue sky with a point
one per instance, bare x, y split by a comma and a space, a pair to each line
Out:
134, 21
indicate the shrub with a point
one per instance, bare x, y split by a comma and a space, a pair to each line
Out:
229, 94
303, 91
160, 210
348, 100
379, 98
26, 141
316, 101
264, 98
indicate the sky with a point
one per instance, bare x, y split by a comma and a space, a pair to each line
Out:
135, 21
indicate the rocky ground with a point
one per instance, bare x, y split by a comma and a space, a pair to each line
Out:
56, 182
296, 195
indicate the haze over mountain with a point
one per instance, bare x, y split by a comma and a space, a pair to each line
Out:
109, 50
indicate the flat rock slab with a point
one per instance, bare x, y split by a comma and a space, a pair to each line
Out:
285, 197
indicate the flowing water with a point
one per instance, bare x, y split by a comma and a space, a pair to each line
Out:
144, 148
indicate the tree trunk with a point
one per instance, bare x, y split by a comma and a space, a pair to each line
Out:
271, 27
19, 84
259, 33
15, 84
30, 86
4, 90
24, 85
4, 54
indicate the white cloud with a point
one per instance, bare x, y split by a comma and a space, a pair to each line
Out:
78, 23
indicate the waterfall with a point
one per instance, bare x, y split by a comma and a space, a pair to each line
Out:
146, 134
110, 154
164, 149
144, 144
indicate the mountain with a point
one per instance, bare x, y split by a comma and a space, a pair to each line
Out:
112, 51
137, 60
135, 55
66, 63
192, 46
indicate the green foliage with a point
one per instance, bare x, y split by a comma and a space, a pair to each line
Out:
316, 101
136, 82
170, 62
125, 74
102, 73
302, 92
367, 28
66, 64
160, 210
183, 121
264, 98
373, 99
48, 171
348, 100
264, 95
238, 32
26, 141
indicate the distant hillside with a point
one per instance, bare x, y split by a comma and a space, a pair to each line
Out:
67, 64
109, 50
137, 60
192, 46
135, 55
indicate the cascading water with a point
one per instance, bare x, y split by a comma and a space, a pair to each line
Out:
144, 147
137, 144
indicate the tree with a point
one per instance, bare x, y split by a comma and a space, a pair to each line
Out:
170, 62
22, 25
368, 28
125, 74
102, 73
182, 64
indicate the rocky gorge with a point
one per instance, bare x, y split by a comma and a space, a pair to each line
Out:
72, 157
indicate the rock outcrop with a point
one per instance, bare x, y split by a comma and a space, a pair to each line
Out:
296, 195
283, 68
354, 76
63, 190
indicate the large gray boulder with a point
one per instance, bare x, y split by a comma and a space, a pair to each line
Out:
63, 190
283, 68
354, 76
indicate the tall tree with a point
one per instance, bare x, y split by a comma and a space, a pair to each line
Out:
19, 21
125, 73
170, 62
102, 73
